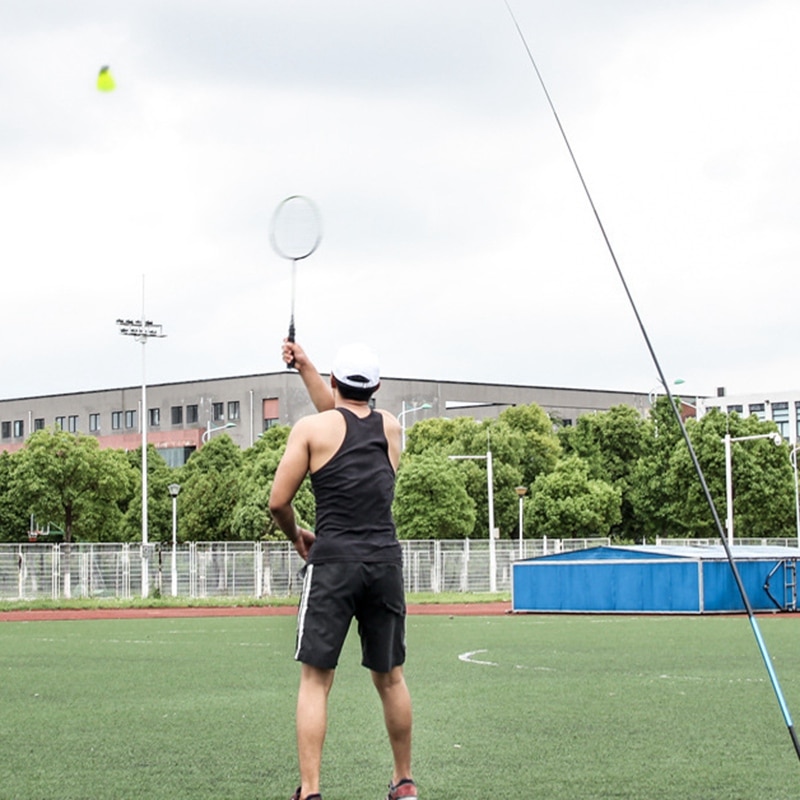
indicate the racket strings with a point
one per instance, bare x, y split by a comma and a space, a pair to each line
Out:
296, 228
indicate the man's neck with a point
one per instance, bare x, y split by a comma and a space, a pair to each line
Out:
359, 407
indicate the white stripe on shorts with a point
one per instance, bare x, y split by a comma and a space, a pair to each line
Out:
301, 612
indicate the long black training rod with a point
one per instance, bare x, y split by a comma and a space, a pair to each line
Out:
720, 530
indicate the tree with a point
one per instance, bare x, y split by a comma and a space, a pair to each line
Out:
251, 519
210, 490
651, 495
668, 496
447, 436
431, 501
762, 477
67, 479
159, 503
539, 447
523, 445
13, 519
567, 503
611, 443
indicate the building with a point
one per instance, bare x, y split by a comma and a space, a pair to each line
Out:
181, 416
783, 408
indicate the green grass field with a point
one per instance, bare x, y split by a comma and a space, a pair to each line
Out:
545, 707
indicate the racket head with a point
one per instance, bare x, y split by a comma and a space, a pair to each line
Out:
296, 228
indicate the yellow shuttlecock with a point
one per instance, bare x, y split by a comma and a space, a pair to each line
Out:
105, 82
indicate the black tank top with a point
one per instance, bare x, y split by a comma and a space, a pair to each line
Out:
354, 493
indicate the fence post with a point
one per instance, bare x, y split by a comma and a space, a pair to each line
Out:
436, 571
258, 564
20, 574
55, 568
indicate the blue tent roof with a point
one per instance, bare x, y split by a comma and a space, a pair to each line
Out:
656, 552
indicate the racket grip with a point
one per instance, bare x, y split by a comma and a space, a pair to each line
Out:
290, 337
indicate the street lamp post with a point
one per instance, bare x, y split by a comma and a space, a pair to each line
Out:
490, 483
142, 330
652, 396
209, 430
793, 457
727, 439
173, 490
402, 418
521, 492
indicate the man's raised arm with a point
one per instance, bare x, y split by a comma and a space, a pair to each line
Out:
320, 392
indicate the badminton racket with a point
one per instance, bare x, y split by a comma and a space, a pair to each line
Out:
295, 233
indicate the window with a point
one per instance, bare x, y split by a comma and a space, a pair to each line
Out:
738, 409
176, 415
176, 456
61, 423
797, 417
73, 423
218, 411
757, 409
780, 416
116, 420
38, 424
154, 416
269, 412
94, 423
130, 419
191, 414
19, 428
6, 430
233, 409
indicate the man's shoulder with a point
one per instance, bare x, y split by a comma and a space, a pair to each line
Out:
320, 420
389, 419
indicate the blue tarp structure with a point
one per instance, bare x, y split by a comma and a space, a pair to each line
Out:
655, 579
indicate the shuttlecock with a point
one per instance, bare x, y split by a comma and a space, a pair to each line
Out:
105, 82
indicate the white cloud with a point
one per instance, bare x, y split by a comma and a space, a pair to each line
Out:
456, 233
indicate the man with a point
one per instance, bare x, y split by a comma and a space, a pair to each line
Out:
353, 559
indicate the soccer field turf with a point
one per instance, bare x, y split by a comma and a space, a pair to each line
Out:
505, 707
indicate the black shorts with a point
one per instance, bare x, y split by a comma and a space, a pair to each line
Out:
335, 592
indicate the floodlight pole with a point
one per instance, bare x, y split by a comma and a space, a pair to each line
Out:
492, 532
142, 330
727, 439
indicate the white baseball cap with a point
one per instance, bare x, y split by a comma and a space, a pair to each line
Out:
356, 365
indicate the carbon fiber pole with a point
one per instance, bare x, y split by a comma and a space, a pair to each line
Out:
776, 687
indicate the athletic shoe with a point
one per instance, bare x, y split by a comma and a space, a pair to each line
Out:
296, 795
404, 789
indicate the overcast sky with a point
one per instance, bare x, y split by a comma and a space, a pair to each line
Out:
457, 239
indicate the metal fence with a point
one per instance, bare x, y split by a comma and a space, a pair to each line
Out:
791, 541
241, 569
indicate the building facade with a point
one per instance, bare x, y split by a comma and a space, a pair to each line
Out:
181, 416
783, 408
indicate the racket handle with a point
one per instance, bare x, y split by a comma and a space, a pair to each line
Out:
290, 338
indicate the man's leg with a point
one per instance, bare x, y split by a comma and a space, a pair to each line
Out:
396, 701
312, 721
